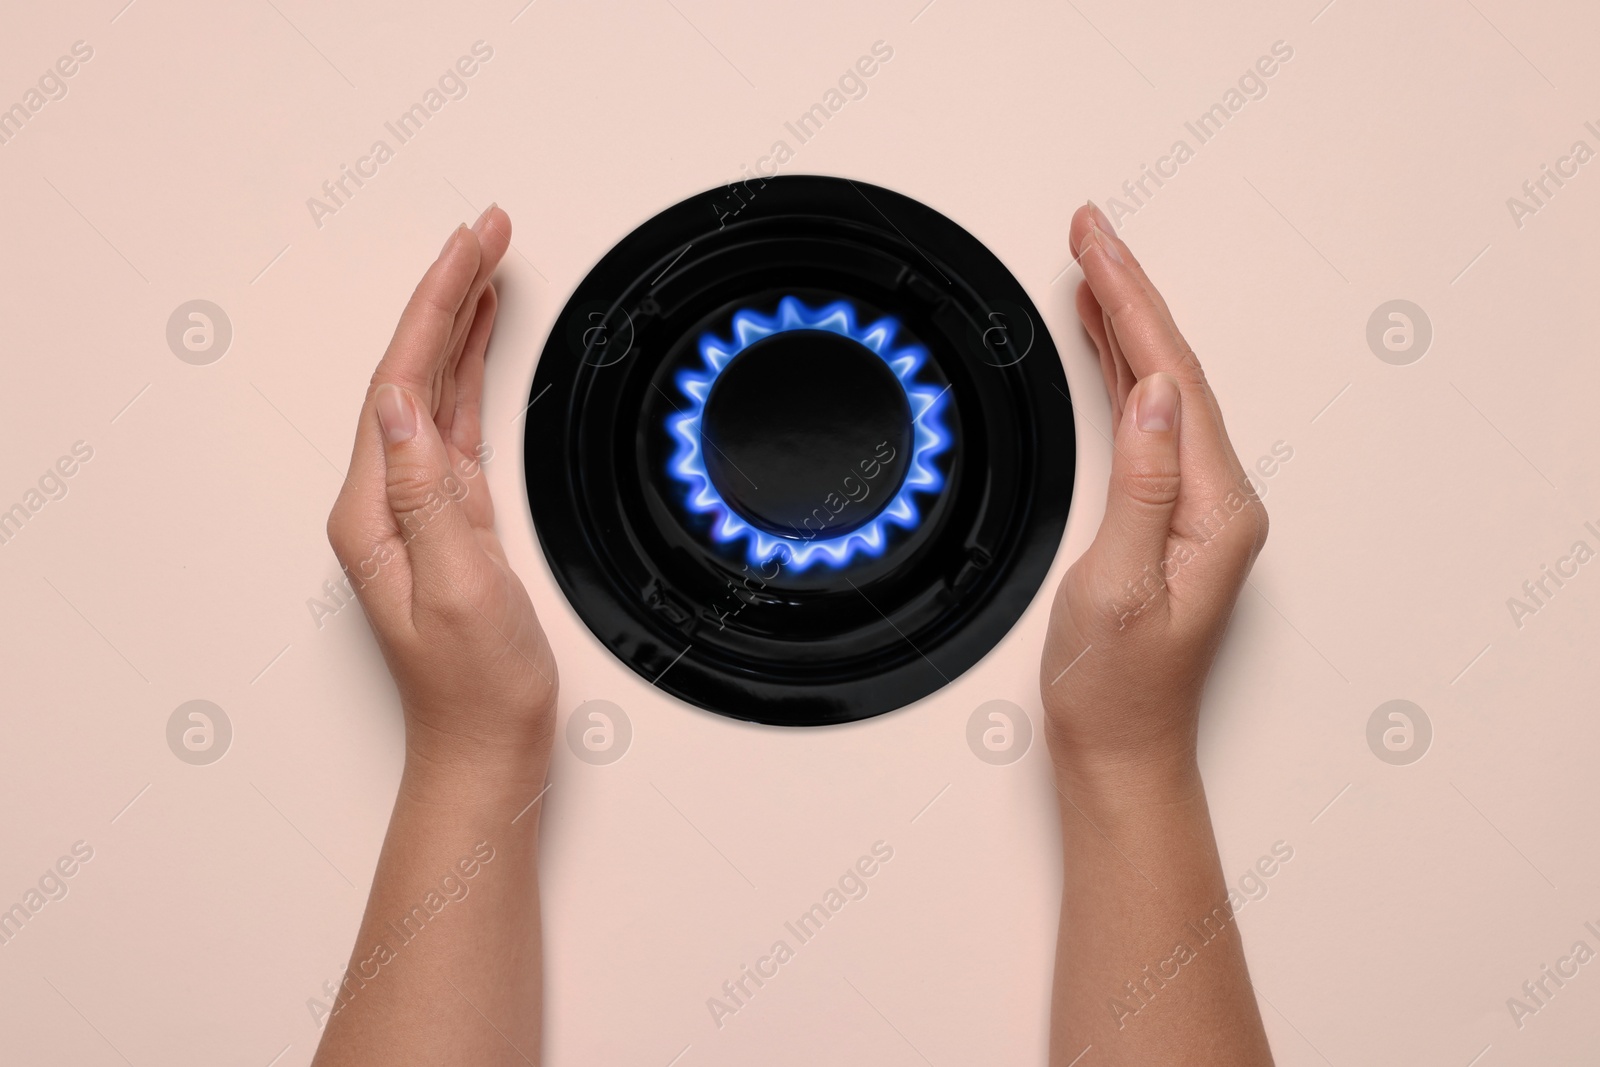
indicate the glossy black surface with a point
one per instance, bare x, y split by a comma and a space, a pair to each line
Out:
791, 423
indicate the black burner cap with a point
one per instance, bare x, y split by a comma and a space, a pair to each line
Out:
807, 433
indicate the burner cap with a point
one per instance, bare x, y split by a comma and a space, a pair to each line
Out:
807, 433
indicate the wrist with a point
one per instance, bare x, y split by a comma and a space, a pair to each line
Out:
450, 767
1126, 780
487, 801
1142, 737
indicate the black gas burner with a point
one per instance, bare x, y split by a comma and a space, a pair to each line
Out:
807, 457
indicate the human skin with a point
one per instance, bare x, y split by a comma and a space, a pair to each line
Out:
1133, 632
1121, 678
414, 527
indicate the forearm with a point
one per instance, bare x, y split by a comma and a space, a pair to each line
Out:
1150, 969
446, 967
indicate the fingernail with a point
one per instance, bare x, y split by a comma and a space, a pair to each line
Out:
1108, 242
395, 414
483, 221
453, 235
1099, 217
1094, 237
1091, 237
1158, 404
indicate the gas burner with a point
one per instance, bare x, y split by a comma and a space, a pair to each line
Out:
807, 453
829, 414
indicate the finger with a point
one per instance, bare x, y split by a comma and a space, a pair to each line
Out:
1083, 220
1125, 376
360, 521
1090, 216
1091, 212
1120, 376
414, 353
1217, 475
1141, 326
1143, 493
466, 421
1132, 263
1139, 332
423, 495
493, 230
421, 340
1093, 319
466, 427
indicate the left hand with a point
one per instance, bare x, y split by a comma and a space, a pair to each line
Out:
414, 528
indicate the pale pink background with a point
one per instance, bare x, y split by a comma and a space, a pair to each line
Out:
177, 167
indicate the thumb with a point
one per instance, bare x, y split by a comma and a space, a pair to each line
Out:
1144, 485
423, 492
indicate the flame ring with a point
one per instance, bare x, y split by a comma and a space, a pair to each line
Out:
929, 437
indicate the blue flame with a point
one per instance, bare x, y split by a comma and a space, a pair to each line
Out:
929, 436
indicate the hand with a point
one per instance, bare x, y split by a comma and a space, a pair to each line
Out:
414, 529
1138, 617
